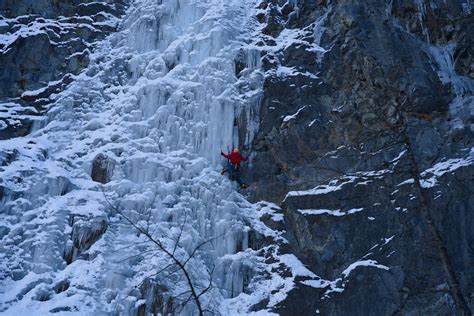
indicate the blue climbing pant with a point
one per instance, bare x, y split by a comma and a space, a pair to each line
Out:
234, 174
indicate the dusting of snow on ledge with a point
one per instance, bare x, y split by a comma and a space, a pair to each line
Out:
363, 263
323, 189
329, 212
430, 176
293, 116
338, 284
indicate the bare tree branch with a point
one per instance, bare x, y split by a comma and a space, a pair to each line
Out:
154, 274
130, 246
200, 245
180, 233
209, 286
181, 266
135, 255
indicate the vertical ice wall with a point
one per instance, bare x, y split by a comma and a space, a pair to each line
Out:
461, 108
149, 117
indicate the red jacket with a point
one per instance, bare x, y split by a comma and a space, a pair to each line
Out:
235, 158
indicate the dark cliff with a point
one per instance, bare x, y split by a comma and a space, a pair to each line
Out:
350, 87
43, 45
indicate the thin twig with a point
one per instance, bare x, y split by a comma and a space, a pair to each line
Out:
136, 255
202, 244
160, 245
180, 233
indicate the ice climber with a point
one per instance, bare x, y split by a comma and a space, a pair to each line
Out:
233, 167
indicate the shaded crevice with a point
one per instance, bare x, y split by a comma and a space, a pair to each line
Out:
85, 232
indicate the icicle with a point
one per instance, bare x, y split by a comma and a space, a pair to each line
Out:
422, 17
462, 107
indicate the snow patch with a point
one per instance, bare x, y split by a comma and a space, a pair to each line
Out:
293, 116
363, 263
329, 212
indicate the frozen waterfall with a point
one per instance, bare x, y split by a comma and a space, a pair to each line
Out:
151, 113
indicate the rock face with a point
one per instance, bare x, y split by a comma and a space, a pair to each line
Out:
343, 80
361, 164
43, 45
84, 233
387, 227
102, 168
